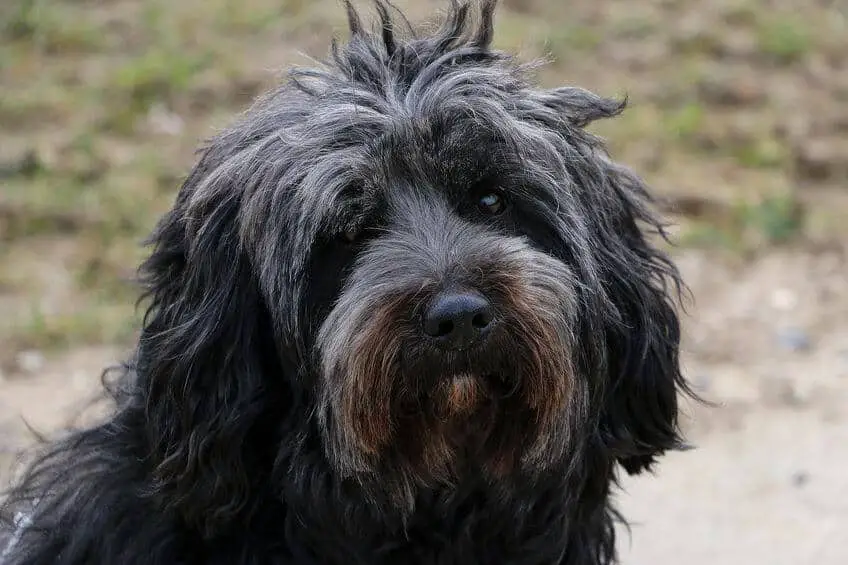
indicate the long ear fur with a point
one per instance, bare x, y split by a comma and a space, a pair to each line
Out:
638, 399
639, 416
200, 359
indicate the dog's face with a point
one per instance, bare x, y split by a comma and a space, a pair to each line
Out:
449, 341
459, 269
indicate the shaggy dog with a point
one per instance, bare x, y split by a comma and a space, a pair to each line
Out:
405, 311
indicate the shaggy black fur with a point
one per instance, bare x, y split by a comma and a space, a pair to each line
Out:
283, 405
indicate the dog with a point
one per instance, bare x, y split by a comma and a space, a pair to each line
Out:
405, 310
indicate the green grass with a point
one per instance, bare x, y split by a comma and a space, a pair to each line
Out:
777, 218
742, 12
765, 152
104, 323
709, 236
51, 27
160, 75
685, 123
566, 41
784, 39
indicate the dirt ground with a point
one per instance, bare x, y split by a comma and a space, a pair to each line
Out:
766, 483
767, 342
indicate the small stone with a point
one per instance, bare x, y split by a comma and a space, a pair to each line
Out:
30, 361
784, 299
164, 121
820, 159
702, 382
779, 392
800, 479
794, 339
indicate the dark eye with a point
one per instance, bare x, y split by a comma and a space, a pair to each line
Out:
351, 235
359, 234
491, 203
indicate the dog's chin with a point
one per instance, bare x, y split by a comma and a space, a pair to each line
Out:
456, 426
458, 397
462, 394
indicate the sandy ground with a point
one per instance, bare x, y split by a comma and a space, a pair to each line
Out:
767, 484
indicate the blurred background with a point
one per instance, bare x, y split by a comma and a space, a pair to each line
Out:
738, 119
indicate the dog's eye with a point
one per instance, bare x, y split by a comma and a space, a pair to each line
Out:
351, 235
358, 234
491, 203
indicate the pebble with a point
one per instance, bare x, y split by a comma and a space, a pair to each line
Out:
800, 479
784, 299
821, 159
30, 361
780, 392
162, 120
794, 339
701, 383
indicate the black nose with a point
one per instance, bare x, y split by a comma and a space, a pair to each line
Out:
457, 319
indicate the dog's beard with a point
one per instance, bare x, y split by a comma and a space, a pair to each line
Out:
400, 414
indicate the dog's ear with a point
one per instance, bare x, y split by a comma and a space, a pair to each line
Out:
638, 417
578, 107
199, 363
639, 407
642, 292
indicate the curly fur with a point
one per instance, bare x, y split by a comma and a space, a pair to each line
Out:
280, 407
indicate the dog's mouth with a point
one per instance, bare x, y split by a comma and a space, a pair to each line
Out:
460, 396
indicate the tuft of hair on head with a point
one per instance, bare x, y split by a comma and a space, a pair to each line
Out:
459, 25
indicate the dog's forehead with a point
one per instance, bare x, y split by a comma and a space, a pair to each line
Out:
448, 149
432, 153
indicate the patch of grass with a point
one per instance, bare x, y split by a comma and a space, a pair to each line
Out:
91, 324
45, 203
784, 39
702, 42
236, 16
165, 174
27, 166
37, 104
703, 235
158, 75
517, 32
777, 218
51, 27
742, 13
639, 27
102, 273
564, 40
761, 153
686, 122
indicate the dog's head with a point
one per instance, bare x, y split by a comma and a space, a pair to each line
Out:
415, 265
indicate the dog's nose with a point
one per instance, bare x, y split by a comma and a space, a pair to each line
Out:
458, 319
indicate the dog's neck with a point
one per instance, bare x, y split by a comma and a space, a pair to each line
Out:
466, 523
